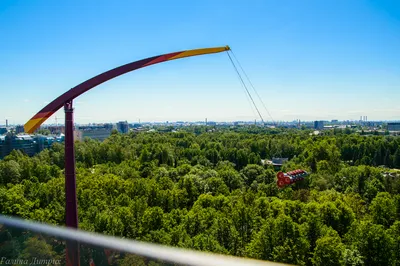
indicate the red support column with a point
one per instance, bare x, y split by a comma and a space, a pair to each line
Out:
71, 206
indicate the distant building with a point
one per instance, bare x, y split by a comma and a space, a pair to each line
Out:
11, 142
123, 127
98, 132
136, 125
3, 130
29, 144
139, 129
56, 129
318, 124
393, 126
279, 161
108, 126
78, 135
335, 121
19, 129
276, 162
45, 142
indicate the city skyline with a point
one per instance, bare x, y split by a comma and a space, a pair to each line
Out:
308, 60
172, 122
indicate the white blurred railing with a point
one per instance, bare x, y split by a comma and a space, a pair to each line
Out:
147, 250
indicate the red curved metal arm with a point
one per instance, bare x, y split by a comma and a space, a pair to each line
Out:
55, 105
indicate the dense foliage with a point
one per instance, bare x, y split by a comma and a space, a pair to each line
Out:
210, 191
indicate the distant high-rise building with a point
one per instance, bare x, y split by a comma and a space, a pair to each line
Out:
6, 122
123, 127
318, 124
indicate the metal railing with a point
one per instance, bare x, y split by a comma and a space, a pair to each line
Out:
32, 243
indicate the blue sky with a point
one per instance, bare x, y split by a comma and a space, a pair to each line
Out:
308, 59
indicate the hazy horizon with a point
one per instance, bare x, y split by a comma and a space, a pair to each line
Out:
60, 123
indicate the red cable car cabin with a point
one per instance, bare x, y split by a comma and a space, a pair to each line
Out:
291, 177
